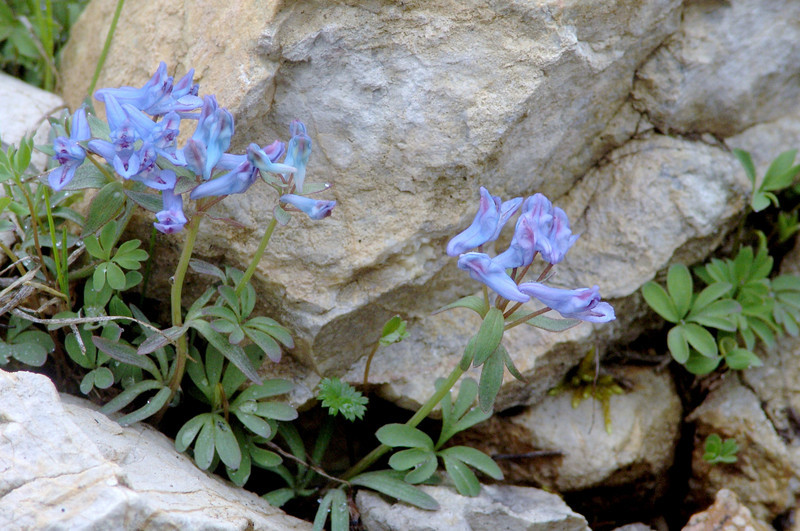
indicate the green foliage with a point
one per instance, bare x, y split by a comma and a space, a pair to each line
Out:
780, 174
421, 456
32, 35
239, 421
394, 331
717, 451
25, 345
586, 382
127, 256
341, 398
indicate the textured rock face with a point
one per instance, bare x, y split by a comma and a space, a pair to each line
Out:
496, 507
645, 424
412, 105
764, 476
726, 513
66, 466
731, 64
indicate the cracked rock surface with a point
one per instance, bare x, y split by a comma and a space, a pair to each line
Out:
63, 465
412, 105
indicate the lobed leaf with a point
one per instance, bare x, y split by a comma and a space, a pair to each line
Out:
395, 435
385, 483
660, 301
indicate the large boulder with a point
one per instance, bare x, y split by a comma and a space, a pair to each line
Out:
411, 106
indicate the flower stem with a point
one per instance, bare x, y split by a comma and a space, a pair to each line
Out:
256, 257
182, 349
423, 412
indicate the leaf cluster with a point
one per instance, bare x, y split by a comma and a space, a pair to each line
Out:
342, 398
719, 451
780, 174
238, 421
421, 457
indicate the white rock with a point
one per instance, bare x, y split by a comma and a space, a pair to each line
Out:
496, 507
67, 466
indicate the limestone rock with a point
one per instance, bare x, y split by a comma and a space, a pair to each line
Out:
23, 110
764, 477
496, 507
410, 106
731, 64
67, 466
726, 513
645, 425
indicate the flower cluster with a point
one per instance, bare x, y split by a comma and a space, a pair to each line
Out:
141, 146
541, 229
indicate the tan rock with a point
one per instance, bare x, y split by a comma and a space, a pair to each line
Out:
764, 477
727, 513
730, 65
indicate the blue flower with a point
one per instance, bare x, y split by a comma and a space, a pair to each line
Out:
523, 245
551, 226
315, 209
211, 138
265, 158
583, 303
298, 152
120, 152
159, 95
482, 269
489, 221
171, 219
68, 152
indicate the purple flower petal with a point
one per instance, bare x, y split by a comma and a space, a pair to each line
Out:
482, 269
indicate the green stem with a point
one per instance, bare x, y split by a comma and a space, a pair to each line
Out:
34, 227
256, 257
60, 273
182, 349
423, 412
102, 60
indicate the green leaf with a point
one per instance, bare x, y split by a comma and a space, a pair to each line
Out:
255, 424
340, 511
680, 287
276, 410
152, 407
189, 431
87, 383
699, 364
204, 447
115, 276
265, 458
405, 459
271, 327
278, 497
475, 416
129, 395
103, 378
322, 512
490, 382
550, 324
466, 482
234, 353
395, 435
659, 301
385, 483
701, 339
773, 179
205, 268
105, 205
740, 359
281, 216
677, 344
157, 341
394, 331
125, 354
93, 247
474, 458
269, 388
240, 475
467, 393
489, 336
226, 444
99, 275
264, 342
476, 304
423, 471
148, 201
759, 202
747, 162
